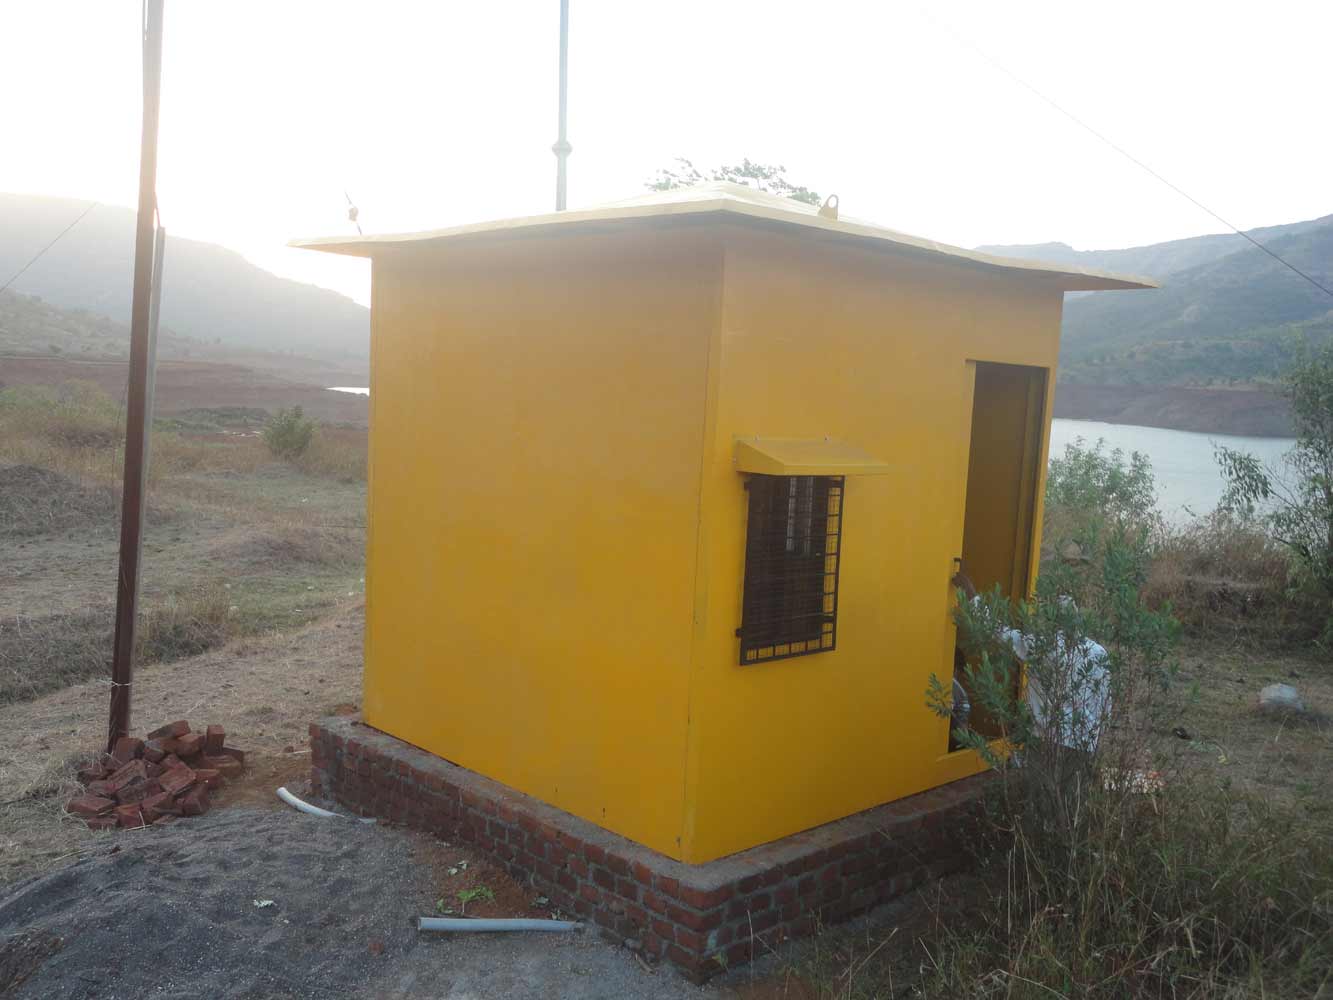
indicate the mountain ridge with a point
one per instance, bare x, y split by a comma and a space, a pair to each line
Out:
209, 292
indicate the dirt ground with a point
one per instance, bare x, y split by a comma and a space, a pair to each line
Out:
344, 894
185, 912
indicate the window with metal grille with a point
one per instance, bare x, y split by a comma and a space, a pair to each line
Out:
790, 604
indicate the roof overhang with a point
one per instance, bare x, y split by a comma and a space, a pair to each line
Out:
732, 202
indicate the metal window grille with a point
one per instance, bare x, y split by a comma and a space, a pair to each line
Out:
790, 603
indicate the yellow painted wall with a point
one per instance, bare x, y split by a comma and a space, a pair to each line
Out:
537, 425
818, 340
556, 550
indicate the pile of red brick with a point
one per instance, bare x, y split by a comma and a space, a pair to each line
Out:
157, 779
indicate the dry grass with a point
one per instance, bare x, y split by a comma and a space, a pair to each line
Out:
1228, 892
1227, 581
45, 653
264, 691
336, 453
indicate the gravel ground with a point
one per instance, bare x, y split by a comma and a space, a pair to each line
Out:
170, 912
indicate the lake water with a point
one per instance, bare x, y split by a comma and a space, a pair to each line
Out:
1188, 480
1187, 477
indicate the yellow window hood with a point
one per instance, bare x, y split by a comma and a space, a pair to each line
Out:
805, 457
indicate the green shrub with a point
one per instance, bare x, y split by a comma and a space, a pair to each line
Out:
288, 433
1107, 872
1294, 503
1091, 479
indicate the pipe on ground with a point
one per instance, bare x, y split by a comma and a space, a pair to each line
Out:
477, 925
306, 807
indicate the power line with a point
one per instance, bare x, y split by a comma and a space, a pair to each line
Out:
964, 40
38, 254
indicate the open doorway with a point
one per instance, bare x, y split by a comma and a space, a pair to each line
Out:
1002, 473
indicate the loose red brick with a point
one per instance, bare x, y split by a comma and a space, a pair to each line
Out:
237, 755
153, 770
130, 794
171, 760
228, 766
89, 805
211, 777
157, 805
133, 773
130, 817
92, 772
171, 731
105, 789
190, 745
195, 801
106, 822
153, 751
177, 780
126, 749
215, 737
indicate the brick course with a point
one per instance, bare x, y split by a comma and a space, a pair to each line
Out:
703, 918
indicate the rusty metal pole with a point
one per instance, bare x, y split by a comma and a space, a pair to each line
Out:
562, 148
136, 409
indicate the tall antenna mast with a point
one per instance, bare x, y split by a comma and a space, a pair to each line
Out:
562, 148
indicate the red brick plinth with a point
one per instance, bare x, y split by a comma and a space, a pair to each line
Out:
703, 918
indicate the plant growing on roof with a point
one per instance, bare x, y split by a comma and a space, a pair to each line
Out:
761, 176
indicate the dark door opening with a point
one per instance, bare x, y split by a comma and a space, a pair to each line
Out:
1008, 403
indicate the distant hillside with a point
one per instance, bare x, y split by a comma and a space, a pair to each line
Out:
1223, 319
1157, 260
209, 293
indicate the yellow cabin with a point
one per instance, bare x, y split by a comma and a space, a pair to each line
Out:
665, 499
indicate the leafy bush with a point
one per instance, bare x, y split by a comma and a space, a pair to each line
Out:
1105, 872
288, 433
1294, 503
1092, 480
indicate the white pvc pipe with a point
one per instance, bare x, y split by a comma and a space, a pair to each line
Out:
481, 924
306, 807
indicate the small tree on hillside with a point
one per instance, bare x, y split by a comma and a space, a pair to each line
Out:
763, 177
1294, 502
288, 433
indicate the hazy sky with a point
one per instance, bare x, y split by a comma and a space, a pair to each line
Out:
436, 113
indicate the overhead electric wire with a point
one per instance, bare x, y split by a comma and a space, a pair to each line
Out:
37, 256
964, 40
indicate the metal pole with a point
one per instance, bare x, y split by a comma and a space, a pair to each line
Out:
562, 148
136, 409
154, 315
